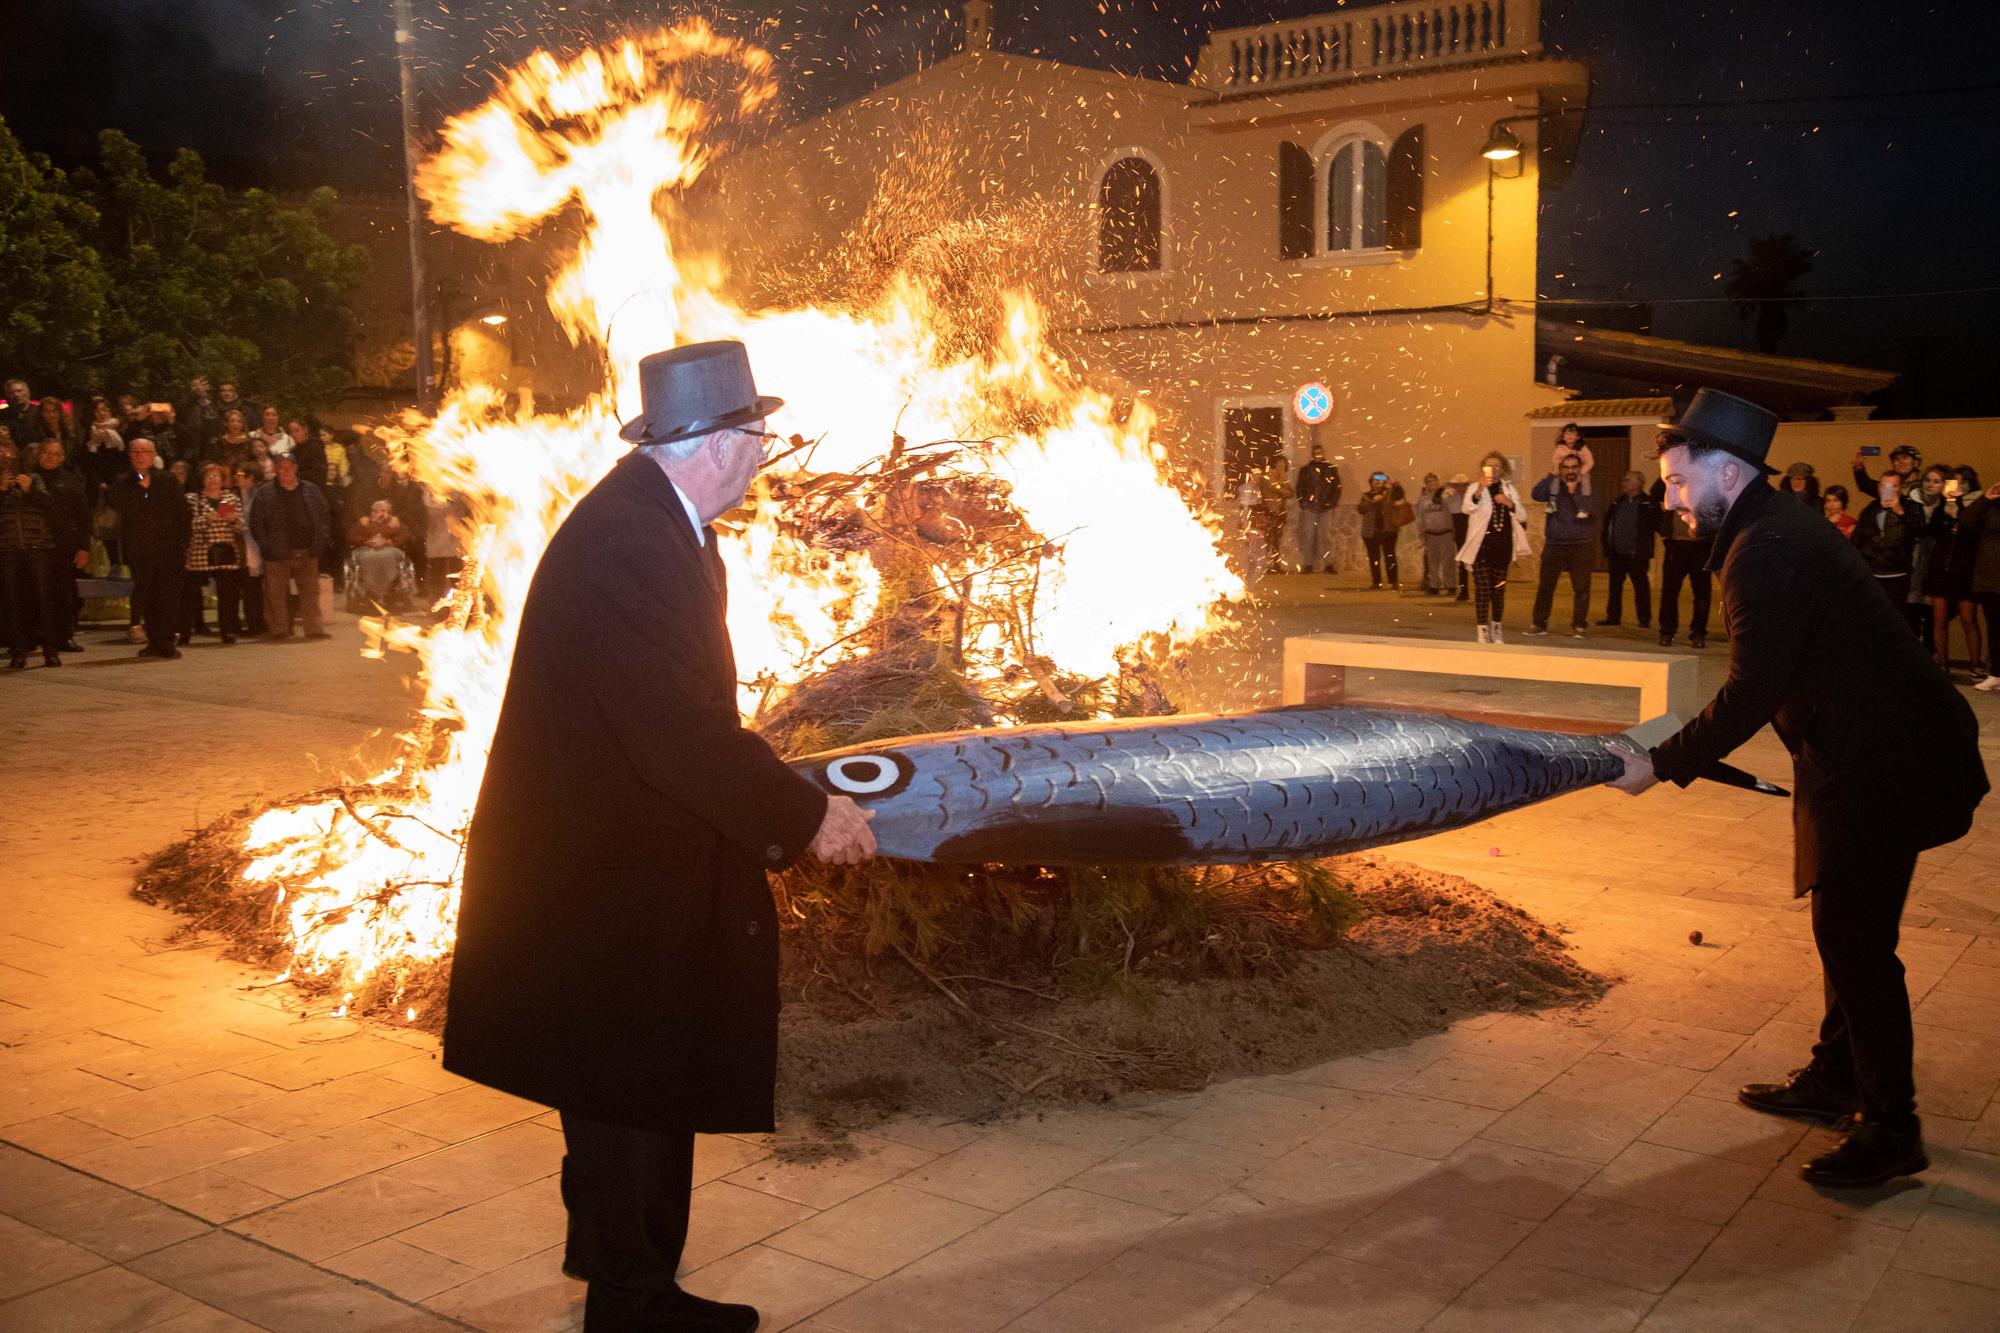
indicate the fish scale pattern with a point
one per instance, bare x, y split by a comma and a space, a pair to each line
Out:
1265, 786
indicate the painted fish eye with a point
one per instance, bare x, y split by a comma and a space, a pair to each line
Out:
867, 774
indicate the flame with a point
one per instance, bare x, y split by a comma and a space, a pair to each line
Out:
367, 881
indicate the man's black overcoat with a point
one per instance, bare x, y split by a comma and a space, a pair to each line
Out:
1885, 750
617, 947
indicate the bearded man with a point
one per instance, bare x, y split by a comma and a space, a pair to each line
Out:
617, 952
1885, 760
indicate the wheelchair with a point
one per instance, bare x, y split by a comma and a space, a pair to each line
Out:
402, 592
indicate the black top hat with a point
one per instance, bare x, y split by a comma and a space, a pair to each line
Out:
693, 390
1724, 421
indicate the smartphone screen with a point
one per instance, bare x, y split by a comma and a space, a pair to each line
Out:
1871, 451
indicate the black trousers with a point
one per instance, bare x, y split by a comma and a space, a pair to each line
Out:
1685, 562
156, 596
251, 592
1865, 1040
27, 602
1621, 568
627, 1195
194, 607
1382, 557
228, 597
69, 604
1559, 558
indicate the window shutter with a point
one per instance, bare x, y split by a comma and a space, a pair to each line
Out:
1128, 217
1406, 190
1295, 202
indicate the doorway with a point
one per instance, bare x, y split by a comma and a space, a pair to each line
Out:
1253, 438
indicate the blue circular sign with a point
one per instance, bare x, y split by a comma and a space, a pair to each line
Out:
1313, 403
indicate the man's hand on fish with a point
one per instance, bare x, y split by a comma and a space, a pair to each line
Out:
844, 838
1638, 774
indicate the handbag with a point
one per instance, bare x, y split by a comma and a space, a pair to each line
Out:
1404, 514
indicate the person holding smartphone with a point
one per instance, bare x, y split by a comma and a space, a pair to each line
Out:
1494, 539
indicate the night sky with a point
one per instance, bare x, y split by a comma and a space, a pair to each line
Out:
1871, 131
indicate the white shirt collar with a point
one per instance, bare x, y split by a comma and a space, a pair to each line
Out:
700, 529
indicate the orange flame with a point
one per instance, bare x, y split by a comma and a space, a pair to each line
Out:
370, 881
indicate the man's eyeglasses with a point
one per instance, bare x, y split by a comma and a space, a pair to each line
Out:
767, 441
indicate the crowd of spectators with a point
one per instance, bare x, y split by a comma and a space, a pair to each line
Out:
214, 499
1931, 536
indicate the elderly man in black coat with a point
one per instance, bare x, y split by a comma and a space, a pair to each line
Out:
153, 528
617, 952
1886, 763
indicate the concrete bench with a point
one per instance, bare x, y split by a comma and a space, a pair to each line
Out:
1316, 668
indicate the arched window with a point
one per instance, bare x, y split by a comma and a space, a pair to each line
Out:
1128, 217
1357, 197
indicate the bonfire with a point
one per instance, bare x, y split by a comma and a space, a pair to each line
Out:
948, 542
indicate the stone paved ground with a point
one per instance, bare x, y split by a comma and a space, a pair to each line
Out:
182, 1153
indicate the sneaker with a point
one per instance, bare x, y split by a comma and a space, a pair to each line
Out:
1536, 631
1485, 635
1667, 640
1990, 684
137, 634
1497, 636
1576, 632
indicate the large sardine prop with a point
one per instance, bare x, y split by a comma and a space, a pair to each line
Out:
1281, 785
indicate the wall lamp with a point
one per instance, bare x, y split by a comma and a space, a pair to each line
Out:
1504, 146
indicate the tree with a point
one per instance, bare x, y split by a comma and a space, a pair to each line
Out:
233, 286
119, 280
53, 284
1766, 280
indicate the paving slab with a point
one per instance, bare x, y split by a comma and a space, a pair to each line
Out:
182, 1148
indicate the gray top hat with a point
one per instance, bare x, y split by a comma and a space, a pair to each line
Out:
692, 390
1724, 421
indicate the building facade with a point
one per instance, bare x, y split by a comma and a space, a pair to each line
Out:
1315, 205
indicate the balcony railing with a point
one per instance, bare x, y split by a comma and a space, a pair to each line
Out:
1381, 39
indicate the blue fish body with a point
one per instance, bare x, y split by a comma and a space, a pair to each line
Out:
1208, 790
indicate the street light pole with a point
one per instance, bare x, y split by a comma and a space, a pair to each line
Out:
420, 322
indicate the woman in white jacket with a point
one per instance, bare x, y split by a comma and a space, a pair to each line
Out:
1494, 538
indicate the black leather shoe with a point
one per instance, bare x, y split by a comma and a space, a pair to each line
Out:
692, 1314
18, 662
72, 647
1607, 622
1805, 1093
1697, 641
1873, 1153
1666, 640
50, 659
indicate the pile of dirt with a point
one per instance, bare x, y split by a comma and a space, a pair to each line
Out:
1426, 950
